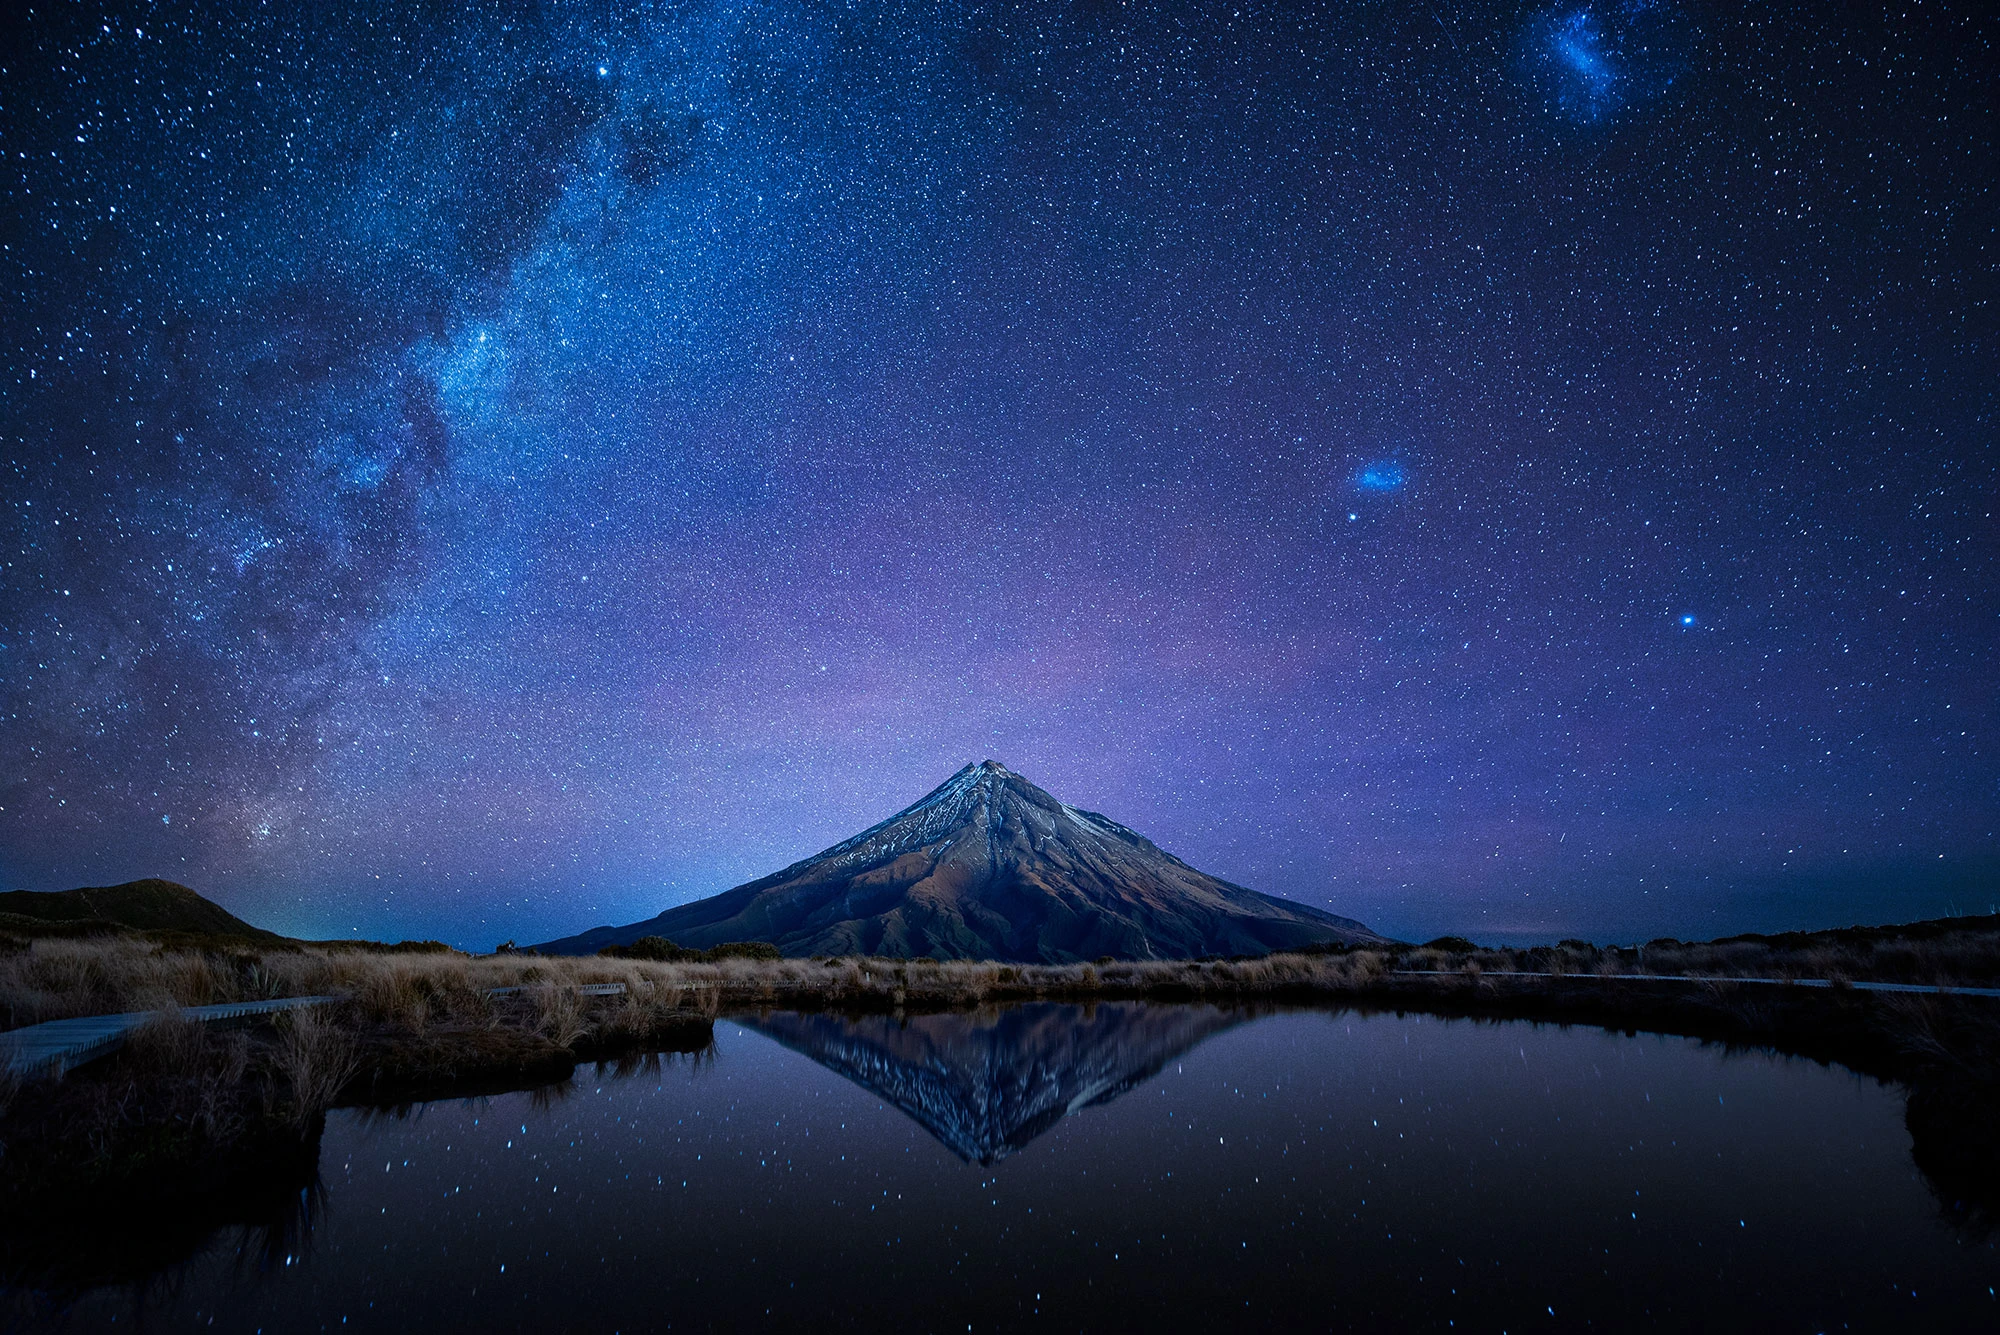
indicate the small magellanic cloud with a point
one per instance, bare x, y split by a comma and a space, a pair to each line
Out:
1382, 475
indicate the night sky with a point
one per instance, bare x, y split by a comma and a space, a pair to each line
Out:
486, 471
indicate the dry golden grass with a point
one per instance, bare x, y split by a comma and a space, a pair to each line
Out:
54, 979
421, 1024
317, 1058
412, 994
415, 993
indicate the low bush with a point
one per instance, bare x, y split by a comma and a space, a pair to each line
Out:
746, 950
656, 948
661, 950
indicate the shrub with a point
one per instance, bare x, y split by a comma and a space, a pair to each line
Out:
746, 950
659, 950
656, 948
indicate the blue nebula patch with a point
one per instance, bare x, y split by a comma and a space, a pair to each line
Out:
1385, 475
1591, 62
1578, 45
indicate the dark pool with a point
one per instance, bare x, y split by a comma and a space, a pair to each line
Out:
1120, 1167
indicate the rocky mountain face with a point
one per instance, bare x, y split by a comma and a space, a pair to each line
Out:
989, 866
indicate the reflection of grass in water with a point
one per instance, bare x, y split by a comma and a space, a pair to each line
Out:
259, 1204
183, 1109
652, 1065
121, 1199
542, 1097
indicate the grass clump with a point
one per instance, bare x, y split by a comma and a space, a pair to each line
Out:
316, 1058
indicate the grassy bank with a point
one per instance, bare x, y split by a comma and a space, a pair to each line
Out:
184, 1109
431, 1021
398, 1002
420, 986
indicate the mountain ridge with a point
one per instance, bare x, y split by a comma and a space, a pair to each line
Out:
990, 866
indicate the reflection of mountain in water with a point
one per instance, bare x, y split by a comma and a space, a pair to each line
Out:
988, 1083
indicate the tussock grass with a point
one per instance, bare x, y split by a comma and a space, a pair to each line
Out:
317, 1058
415, 993
176, 1091
417, 1021
419, 986
59, 978
183, 1102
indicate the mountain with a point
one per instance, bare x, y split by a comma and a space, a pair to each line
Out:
989, 866
151, 905
986, 1084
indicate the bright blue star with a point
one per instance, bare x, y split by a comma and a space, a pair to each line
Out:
1687, 619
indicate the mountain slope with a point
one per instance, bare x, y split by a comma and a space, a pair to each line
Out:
150, 905
988, 866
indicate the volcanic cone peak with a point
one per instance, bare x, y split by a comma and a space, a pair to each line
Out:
989, 866
982, 799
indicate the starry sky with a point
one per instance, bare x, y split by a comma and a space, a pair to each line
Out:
483, 471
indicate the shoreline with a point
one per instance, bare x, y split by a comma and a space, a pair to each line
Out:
390, 1021
187, 1111
172, 1187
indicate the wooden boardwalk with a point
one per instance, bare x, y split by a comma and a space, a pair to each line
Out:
581, 989
56, 1046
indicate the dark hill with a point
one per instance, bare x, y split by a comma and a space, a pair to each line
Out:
149, 906
989, 866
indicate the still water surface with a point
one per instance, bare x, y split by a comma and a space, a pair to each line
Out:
1048, 1167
